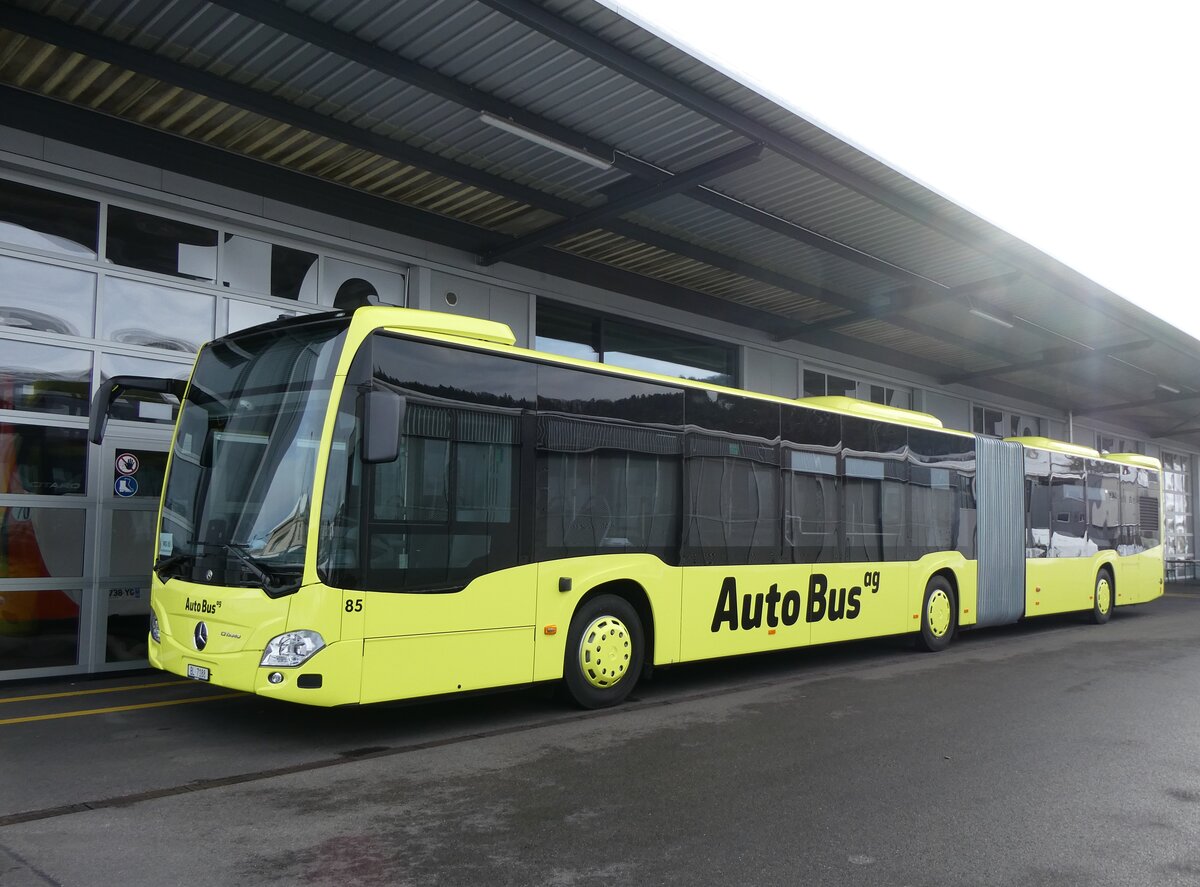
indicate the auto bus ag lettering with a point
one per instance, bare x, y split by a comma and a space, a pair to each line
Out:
776, 607
202, 606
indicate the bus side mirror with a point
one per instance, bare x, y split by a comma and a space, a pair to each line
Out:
115, 387
383, 416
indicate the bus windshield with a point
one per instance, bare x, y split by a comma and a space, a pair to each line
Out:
236, 505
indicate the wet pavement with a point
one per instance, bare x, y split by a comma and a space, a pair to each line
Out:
1052, 752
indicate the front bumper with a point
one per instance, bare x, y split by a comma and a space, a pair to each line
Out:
338, 664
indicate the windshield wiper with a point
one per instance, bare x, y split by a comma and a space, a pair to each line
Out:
165, 563
272, 582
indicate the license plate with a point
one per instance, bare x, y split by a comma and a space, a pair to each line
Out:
198, 672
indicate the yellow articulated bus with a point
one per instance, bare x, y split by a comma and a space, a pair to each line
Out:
394, 504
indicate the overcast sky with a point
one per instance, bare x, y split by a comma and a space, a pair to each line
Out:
1072, 125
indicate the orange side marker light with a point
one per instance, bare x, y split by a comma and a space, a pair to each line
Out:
770, 631
550, 630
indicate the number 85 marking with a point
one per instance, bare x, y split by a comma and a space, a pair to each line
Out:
354, 605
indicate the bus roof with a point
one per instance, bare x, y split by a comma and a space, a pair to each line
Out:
457, 325
1059, 446
870, 410
1055, 446
1135, 459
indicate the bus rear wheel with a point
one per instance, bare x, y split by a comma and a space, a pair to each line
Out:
939, 615
604, 655
1102, 604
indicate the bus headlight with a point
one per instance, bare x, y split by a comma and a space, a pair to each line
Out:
154, 632
292, 649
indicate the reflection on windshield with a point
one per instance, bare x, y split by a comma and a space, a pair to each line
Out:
245, 453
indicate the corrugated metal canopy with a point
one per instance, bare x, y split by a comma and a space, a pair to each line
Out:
619, 160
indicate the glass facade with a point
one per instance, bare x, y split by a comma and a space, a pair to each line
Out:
822, 384
88, 290
999, 423
562, 329
1177, 506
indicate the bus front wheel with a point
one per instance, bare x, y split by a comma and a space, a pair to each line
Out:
604, 652
939, 613
1102, 604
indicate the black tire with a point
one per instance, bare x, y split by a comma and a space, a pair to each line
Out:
605, 649
1105, 597
939, 616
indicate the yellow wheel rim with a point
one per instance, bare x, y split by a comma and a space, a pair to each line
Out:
1103, 596
937, 614
604, 651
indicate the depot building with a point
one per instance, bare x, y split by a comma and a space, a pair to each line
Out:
172, 172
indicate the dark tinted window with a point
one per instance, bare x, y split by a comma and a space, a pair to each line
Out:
583, 393
165, 246
446, 510
811, 499
47, 220
812, 428
870, 438
604, 488
941, 470
876, 477
733, 503
456, 374
736, 415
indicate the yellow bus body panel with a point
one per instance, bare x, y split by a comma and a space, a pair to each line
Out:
1068, 584
450, 662
426, 643
1146, 577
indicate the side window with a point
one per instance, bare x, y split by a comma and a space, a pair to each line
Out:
444, 512
1103, 505
604, 489
811, 499
876, 490
942, 500
1068, 510
1149, 503
733, 511
447, 509
1130, 536
934, 509
1037, 503
608, 465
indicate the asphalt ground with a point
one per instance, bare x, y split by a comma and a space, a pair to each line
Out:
1051, 752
